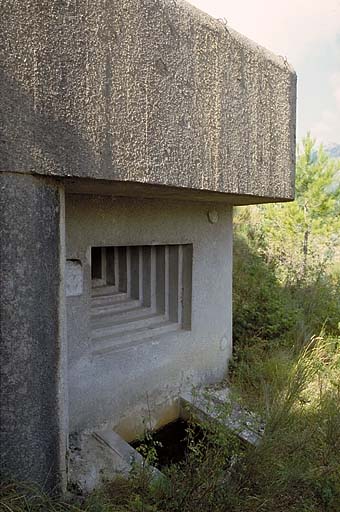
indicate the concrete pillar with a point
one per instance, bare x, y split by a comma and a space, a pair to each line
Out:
32, 350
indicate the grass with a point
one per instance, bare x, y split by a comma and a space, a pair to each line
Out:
296, 468
282, 372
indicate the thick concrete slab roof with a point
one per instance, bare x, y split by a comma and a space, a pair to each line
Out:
145, 92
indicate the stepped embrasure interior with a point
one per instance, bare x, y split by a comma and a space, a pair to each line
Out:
139, 292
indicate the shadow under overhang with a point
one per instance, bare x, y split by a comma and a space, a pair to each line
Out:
160, 192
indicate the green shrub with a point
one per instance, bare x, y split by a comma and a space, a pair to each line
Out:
262, 308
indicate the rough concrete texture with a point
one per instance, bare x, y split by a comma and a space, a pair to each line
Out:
150, 91
129, 385
98, 457
93, 461
31, 437
219, 405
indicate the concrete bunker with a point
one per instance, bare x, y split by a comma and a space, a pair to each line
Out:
129, 134
141, 327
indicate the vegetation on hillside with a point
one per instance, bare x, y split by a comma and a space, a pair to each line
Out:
286, 368
287, 257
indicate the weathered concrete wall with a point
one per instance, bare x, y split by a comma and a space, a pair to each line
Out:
32, 414
122, 387
144, 98
144, 91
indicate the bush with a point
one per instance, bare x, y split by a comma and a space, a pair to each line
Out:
262, 308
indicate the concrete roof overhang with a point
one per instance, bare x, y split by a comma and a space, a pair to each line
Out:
145, 92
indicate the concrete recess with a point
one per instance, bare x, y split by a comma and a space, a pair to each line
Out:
102, 455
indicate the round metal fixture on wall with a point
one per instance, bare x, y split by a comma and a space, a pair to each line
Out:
213, 216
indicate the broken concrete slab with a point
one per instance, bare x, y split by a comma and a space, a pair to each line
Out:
101, 456
218, 405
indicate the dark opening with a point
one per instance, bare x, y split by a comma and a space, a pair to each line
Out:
110, 266
171, 442
96, 262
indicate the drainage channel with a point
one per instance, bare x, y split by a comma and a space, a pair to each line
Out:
170, 443
102, 454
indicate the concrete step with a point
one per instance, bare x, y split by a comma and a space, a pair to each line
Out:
99, 291
133, 324
126, 338
122, 317
125, 317
117, 308
103, 300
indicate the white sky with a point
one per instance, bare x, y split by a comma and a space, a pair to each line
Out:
307, 32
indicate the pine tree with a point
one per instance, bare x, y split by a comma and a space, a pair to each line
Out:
308, 229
